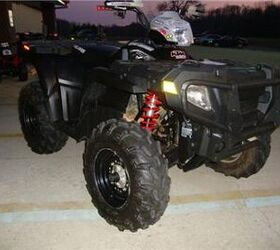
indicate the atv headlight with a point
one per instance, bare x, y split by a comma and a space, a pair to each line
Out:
198, 95
184, 36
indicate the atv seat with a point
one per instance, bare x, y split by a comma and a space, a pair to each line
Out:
96, 53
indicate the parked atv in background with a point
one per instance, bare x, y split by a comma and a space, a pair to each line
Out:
189, 113
11, 63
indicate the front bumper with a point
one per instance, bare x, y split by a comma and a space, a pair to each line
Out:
235, 127
241, 112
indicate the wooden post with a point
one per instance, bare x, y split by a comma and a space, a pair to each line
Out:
49, 19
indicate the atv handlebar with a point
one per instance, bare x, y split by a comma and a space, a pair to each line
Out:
123, 5
129, 5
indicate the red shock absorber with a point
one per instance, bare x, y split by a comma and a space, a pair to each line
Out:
150, 111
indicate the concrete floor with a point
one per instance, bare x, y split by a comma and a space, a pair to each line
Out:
44, 203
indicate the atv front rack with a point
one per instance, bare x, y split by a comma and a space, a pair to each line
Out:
234, 127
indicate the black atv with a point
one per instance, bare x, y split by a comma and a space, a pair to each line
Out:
143, 108
11, 63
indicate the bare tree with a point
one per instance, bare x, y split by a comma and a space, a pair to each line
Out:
188, 9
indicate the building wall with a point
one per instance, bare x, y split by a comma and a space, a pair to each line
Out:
27, 19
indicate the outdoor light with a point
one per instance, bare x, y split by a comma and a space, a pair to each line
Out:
26, 47
169, 87
198, 95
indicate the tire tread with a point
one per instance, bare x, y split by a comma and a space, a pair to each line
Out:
50, 140
152, 196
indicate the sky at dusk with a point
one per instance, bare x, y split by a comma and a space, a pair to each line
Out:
85, 11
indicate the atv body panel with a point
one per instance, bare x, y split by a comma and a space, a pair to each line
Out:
68, 65
81, 79
67, 70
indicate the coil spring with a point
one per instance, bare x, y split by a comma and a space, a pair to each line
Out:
150, 113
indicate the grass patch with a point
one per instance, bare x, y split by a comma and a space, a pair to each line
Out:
272, 43
271, 58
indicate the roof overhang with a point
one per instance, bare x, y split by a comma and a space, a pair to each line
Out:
61, 3
38, 4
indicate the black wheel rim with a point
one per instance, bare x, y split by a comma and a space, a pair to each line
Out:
31, 119
112, 178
